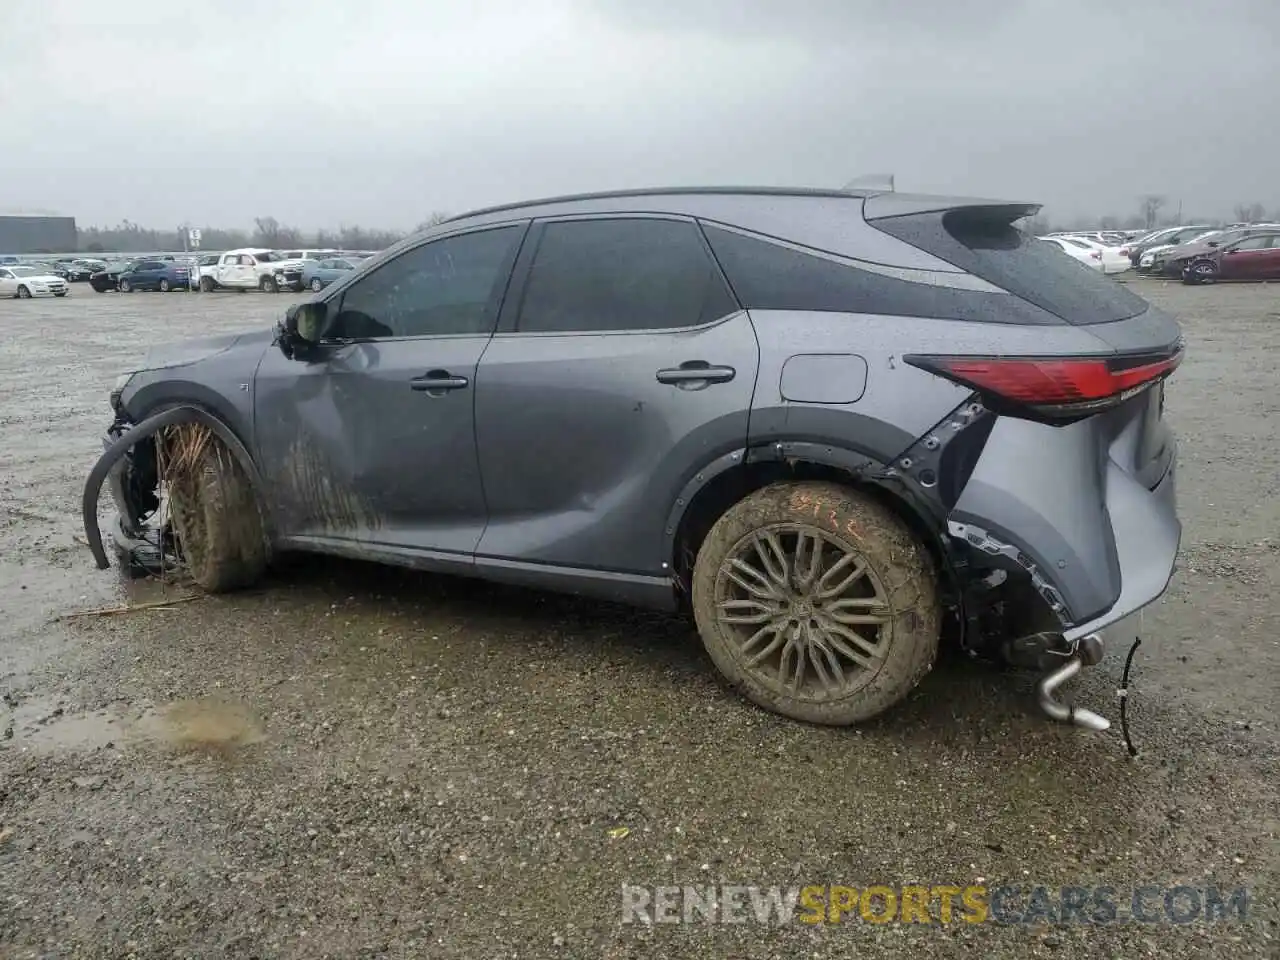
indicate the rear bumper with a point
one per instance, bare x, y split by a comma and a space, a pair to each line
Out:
1066, 508
1147, 535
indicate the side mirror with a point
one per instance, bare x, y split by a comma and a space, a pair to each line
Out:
305, 322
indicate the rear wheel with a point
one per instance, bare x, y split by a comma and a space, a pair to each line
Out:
164, 285
125, 286
24, 293
206, 284
317, 285
817, 603
217, 521
268, 284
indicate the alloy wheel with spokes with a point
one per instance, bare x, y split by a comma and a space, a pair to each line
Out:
817, 602
810, 613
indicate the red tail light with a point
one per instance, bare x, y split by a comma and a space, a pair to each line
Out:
1055, 388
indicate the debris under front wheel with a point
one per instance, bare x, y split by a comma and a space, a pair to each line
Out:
154, 553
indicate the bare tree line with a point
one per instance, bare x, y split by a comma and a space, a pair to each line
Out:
129, 237
1153, 212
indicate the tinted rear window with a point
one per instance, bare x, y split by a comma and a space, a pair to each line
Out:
1000, 253
623, 274
768, 276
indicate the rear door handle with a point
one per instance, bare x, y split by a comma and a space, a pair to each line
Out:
696, 372
438, 381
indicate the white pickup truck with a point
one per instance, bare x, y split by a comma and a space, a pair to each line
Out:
251, 268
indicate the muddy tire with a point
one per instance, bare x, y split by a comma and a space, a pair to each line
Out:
817, 603
218, 524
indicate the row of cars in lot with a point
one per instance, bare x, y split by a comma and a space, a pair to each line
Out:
1196, 253
250, 268
1204, 254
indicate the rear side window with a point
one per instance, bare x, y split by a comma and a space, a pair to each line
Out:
769, 276
998, 252
624, 274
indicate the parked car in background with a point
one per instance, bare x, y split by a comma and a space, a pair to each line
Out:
1106, 238
1077, 250
204, 268
25, 282
318, 274
1173, 261
78, 271
163, 275
821, 422
1254, 256
254, 268
9, 260
1113, 261
303, 257
58, 270
1168, 237
108, 278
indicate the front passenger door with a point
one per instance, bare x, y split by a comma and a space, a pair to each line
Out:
1244, 261
372, 440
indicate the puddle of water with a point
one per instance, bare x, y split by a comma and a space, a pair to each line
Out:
188, 726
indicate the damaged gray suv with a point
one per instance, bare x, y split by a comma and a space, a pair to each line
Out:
836, 427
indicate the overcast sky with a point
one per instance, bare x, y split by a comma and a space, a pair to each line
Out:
378, 113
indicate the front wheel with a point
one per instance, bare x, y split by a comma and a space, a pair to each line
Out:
268, 285
164, 285
817, 603
126, 286
317, 285
206, 284
215, 514
1201, 271
24, 293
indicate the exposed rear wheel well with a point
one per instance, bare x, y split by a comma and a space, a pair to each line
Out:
726, 489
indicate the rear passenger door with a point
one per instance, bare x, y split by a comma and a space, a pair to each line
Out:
622, 366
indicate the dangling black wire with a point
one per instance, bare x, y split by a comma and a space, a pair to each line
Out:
1124, 697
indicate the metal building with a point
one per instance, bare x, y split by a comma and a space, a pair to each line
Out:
37, 234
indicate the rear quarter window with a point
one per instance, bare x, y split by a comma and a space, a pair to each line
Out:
995, 250
766, 275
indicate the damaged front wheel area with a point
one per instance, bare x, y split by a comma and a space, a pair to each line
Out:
210, 490
215, 515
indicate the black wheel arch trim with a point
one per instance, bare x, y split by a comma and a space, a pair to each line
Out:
870, 470
182, 413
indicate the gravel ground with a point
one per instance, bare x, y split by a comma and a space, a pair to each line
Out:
356, 761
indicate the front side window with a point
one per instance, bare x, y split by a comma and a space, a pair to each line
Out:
449, 286
1253, 243
624, 274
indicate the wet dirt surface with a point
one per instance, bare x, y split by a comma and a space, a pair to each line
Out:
356, 761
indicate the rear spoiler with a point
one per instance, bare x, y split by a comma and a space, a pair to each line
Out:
882, 206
